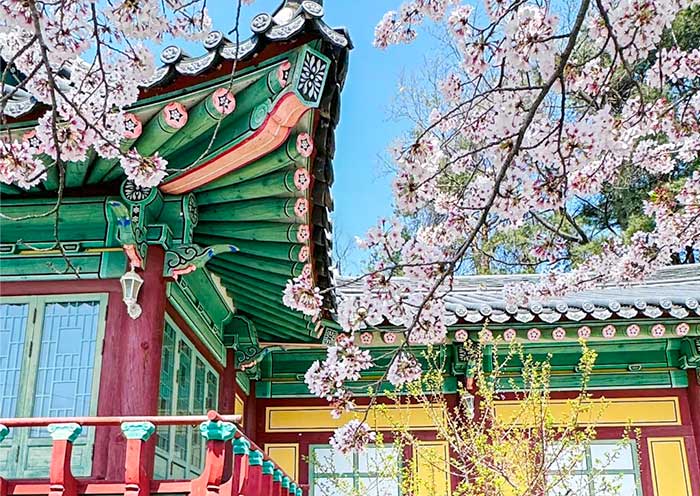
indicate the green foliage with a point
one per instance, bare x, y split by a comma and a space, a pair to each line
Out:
523, 447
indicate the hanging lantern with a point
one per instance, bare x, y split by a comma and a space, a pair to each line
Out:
131, 285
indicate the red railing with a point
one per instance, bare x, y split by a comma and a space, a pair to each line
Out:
241, 469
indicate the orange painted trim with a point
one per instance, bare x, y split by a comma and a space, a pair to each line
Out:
270, 136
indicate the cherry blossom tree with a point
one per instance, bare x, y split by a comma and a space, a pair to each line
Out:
545, 109
533, 449
85, 61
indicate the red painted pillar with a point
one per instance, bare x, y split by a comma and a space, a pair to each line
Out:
227, 392
131, 368
694, 405
251, 417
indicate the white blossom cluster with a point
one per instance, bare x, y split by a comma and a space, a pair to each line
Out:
404, 368
352, 437
86, 61
327, 379
300, 294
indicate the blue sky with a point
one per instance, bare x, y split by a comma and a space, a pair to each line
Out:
362, 189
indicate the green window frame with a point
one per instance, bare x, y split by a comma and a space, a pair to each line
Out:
50, 362
604, 468
375, 472
189, 385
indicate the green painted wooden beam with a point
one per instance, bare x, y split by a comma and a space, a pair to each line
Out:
50, 267
103, 167
253, 104
169, 120
261, 311
79, 220
264, 321
270, 292
214, 108
252, 231
267, 331
52, 180
263, 209
279, 184
240, 270
271, 306
76, 172
241, 260
9, 189
277, 251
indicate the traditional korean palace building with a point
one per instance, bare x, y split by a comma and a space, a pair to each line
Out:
185, 374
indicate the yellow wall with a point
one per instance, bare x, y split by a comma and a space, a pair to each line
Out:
318, 418
669, 466
286, 456
613, 412
239, 408
431, 462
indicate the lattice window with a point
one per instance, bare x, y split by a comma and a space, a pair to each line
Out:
605, 468
188, 386
52, 344
372, 473
13, 329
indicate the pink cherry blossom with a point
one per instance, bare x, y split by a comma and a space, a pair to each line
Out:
343, 363
353, 437
144, 171
404, 368
299, 294
19, 166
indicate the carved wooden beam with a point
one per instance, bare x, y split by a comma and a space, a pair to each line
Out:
268, 137
184, 259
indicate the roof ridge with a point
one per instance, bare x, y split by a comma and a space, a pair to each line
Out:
306, 15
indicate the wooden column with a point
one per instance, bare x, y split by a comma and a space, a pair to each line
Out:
227, 391
251, 414
694, 405
227, 398
132, 359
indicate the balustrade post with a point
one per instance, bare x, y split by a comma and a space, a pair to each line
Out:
255, 475
61, 480
136, 479
241, 452
268, 471
210, 483
292, 489
277, 483
4, 432
286, 481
